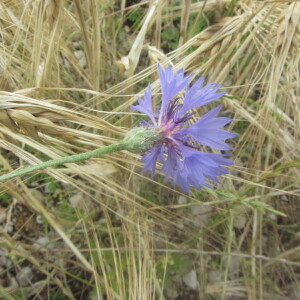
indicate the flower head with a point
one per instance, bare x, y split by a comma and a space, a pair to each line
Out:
178, 147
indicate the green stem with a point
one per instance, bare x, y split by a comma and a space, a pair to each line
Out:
69, 159
138, 139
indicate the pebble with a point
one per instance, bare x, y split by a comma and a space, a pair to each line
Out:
272, 216
190, 279
37, 194
201, 215
182, 200
172, 293
2, 215
43, 242
9, 228
214, 276
234, 267
81, 58
12, 282
240, 222
4, 260
25, 276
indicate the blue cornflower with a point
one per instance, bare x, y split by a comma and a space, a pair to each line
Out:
181, 139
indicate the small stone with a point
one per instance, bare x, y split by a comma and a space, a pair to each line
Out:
77, 44
81, 58
80, 201
8, 262
240, 222
297, 235
126, 28
214, 276
43, 242
234, 266
76, 200
12, 282
39, 219
201, 215
9, 228
172, 293
79, 54
37, 194
83, 62
295, 294
190, 279
182, 200
2, 215
25, 276
272, 216
4, 260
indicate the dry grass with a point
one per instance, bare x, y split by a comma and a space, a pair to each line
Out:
69, 71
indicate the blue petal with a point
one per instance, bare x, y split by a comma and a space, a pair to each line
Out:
211, 142
171, 85
172, 163
207, 130
151, 157
200, 165
181, 179
197, 96
145, 105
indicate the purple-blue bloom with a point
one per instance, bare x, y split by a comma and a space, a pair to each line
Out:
181, 139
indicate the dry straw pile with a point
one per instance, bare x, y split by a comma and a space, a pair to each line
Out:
69, 71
